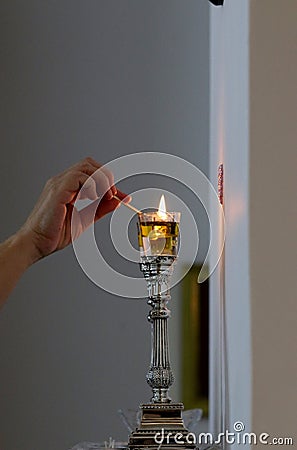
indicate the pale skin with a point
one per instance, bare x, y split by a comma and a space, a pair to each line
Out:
48, 227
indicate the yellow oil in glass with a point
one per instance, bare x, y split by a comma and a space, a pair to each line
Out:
158, 237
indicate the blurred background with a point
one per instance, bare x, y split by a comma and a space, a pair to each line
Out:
100, 78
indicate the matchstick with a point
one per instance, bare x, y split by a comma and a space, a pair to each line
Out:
127, 204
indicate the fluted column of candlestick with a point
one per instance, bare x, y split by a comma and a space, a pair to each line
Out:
159, 376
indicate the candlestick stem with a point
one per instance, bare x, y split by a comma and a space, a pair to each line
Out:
157, 272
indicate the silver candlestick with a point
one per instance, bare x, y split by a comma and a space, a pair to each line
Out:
158, 241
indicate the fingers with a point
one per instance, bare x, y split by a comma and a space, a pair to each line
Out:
92, 213
65, 189
103, 178
106, 172
93, 169
51, 218
89, 189
85, 180
108, 206
88, 173
124, 197
110, 178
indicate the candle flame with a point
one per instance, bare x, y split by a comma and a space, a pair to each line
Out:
162, 209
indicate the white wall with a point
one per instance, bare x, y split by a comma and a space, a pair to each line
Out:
273, 212
105, 78
229, 144
253, 132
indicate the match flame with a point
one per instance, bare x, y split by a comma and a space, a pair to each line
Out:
162, 209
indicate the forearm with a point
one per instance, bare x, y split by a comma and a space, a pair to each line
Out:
16, 254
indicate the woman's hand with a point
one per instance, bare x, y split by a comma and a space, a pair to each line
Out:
48, 227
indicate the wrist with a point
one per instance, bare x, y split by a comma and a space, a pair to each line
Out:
16, 254
23, 243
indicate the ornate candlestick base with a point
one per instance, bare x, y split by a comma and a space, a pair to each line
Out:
161, 426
